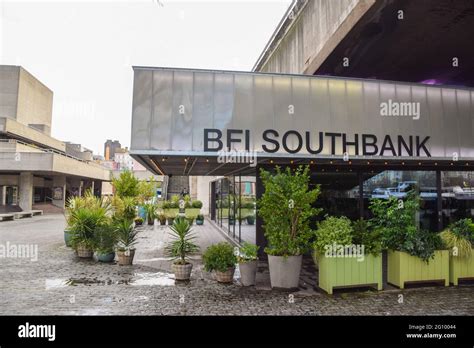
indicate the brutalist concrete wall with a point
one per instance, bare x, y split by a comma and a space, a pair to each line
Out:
302, 46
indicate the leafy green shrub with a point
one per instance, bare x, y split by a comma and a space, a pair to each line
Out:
105, 239
200, 217
219, 257
333, 230
197, 204
126, 185
166, 205
248, 252
286, 209
370, 239
396, 221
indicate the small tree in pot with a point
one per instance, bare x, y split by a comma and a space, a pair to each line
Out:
181, 245
286, 209
247, 259
150, 210
126, 240
221, 259
200, 219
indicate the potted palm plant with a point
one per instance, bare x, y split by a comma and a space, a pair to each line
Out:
83, 222
126, 240
180, 246
221, 259
247, 260
286, 209
105, 241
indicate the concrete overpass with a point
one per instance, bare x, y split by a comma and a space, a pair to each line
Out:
421, 41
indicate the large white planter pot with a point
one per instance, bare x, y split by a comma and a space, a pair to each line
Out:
285, 271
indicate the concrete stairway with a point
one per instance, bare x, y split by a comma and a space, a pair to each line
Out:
176, 185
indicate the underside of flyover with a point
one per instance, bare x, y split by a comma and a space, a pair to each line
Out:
421, 47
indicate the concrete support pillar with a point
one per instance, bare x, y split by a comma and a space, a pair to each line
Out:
59, 191
26, 191
74, 186
3, 195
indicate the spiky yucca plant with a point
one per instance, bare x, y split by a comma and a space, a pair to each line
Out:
182, 243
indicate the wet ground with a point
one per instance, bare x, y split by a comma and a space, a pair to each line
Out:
59, 283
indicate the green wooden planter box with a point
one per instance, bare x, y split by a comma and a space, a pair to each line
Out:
403, 267
460, 267
348, 272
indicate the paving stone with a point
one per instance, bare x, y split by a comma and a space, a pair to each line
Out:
61, 284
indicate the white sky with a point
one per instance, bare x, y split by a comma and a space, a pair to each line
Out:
83, 51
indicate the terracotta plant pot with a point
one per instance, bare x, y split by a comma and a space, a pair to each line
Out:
182, 272
125, 258
84, 252
225, 277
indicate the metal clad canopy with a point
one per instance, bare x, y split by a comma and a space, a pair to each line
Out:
172, 107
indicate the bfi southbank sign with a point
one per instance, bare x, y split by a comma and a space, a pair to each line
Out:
314, 143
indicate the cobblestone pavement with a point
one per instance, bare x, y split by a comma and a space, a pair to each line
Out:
61, 284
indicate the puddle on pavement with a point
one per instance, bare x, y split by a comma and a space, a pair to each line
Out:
159, 278
138, 279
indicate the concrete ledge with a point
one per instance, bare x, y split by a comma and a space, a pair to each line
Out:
23, 214
5, 217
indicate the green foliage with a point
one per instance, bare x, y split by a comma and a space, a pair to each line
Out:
459, 238
83, 224
166, 205
105, 239
248, 252
126, 235
150, 210
182, 243
129, 208
370, 239
332, 230
126, 185
200, 217
396, 221
219, 257
286, 208
197, 204
147, 189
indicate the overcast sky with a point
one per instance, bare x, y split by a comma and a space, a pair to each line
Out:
83, 51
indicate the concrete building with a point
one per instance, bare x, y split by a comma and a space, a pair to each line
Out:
316, 96
109, 149
35, 168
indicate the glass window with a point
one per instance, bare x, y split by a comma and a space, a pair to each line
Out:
393, 183
458, 196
